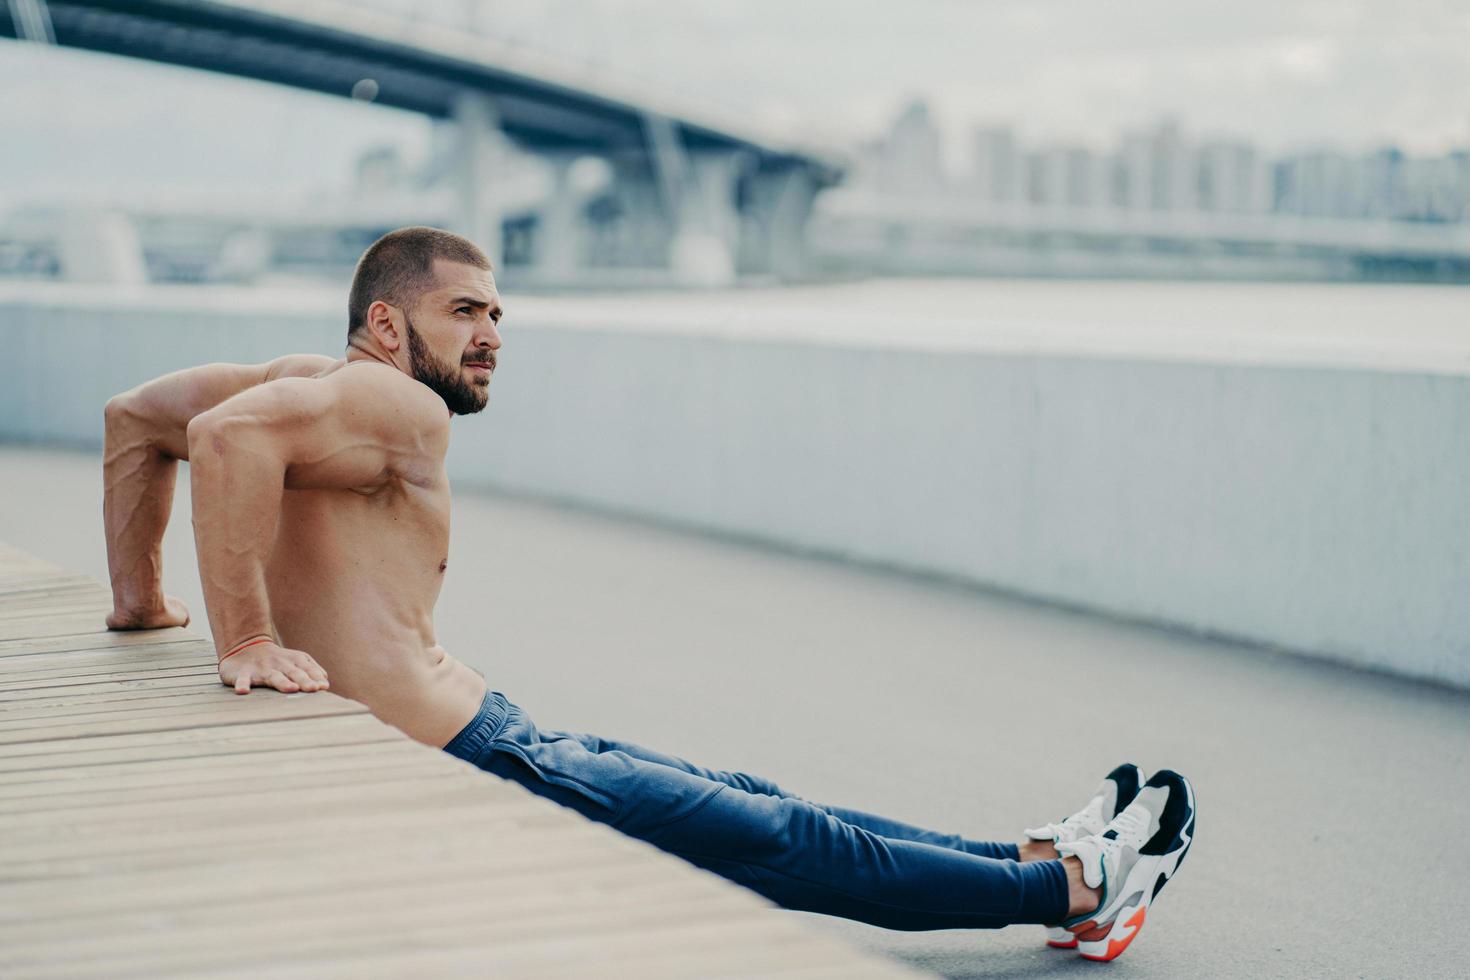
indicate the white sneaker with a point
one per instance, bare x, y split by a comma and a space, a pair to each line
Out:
1115, 793
1131, 861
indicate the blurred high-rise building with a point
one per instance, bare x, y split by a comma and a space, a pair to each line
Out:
997, 168
1134, 168
1172, 171
1232, 178
907, 159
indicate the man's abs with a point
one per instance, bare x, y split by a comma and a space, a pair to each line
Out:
353, 579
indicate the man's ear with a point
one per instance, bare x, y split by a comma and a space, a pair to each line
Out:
387, 324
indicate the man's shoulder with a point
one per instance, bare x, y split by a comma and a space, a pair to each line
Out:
385, 393
301, 366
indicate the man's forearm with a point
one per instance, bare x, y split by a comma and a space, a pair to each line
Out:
237, 490
137, 498
147, 433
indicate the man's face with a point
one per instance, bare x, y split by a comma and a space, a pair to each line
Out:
452, 336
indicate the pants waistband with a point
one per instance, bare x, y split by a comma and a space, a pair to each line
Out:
482, 729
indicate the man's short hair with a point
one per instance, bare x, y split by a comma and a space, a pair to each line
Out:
398, 267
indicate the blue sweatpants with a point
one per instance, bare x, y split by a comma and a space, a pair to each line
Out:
799, 854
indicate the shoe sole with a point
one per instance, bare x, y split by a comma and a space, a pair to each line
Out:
1129, 921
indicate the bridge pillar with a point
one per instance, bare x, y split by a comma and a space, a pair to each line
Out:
777, 206
101, 246
563, 233
699, 197
481, 148
707, 233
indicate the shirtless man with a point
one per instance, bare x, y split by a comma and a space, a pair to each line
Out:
321, 519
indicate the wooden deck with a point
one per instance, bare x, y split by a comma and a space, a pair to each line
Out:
152, 823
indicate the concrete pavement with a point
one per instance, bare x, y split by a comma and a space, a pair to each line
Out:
1331, 800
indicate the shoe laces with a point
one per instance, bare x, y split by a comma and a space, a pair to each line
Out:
1085, 822
1102, 857
1132, 827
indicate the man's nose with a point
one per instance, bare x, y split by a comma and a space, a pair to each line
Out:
488, 336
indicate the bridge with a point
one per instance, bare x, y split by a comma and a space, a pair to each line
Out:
715, 196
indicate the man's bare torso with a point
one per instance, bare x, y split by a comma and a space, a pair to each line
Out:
353, 578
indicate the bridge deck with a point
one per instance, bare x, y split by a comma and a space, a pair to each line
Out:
153, 822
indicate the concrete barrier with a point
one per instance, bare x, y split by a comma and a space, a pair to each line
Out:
1317, 509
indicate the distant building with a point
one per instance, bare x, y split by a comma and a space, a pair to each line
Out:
1133, 172
1232, 178
1172, 172
907, 159
997, 169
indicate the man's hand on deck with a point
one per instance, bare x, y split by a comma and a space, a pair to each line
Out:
269, 664
156, 616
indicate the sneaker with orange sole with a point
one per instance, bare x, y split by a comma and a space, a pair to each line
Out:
1116, 791
1138, 852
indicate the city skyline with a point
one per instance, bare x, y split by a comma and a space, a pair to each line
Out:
1163, 166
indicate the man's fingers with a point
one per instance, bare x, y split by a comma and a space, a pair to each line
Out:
242, 682
278, 680
310, 676
302, 679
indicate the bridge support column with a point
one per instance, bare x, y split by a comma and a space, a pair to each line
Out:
101, 246
778, 207
481, 149
699, 196
563, 233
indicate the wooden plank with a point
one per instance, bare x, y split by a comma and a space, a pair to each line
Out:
365, 929
149, 848
39, 577
206, 769
227, 709
105, 640
228, 783
249, 874
137, 656
201, 672
57, 702
57, 605
209, 810
213, 741
37, 936
45, 625
755, 950
216, 699
149, 851
353, 922
18, 600
193, 678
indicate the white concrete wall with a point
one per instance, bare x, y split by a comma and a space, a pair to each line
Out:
1315, 509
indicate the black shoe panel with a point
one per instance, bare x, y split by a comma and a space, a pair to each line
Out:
1126, 776
1177, 818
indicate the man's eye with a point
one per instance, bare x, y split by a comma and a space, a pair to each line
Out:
464, 309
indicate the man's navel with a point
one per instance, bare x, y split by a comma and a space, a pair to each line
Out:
443, 565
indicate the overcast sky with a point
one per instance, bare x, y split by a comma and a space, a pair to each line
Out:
1285, 73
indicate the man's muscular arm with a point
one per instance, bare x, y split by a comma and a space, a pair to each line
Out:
355, 429
144, 439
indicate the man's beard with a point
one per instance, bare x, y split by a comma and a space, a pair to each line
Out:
460, 396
